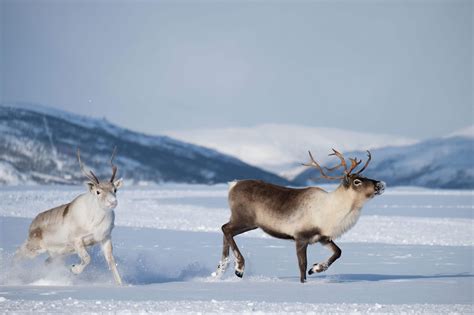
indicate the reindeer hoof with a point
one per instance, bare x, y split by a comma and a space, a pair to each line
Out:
318, 268
76, 269
239, 269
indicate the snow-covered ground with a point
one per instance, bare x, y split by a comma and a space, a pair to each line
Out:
411, 252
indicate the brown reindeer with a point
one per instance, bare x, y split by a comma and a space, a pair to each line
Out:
307, 215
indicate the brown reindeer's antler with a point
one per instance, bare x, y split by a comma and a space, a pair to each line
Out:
114, 168
315, 164
366, 163
354, 164
347, 172
343, 161
90, 176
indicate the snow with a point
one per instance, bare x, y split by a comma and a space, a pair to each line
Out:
9, 174
278, 147
467, 132
230, 307
410, 252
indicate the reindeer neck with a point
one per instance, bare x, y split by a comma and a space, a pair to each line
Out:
342, 198
93, 205
348, 198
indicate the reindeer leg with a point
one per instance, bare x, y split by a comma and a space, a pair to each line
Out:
27, 250
230, 230
301, 247
224, 262
107, 250
320, 267
52, 257
83, 254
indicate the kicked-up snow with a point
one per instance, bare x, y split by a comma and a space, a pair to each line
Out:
411, 252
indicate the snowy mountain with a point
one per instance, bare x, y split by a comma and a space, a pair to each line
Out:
438, 163
281, 148
38, 145
467, 132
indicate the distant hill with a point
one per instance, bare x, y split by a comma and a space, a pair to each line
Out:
38, 145
438, 163
281, 148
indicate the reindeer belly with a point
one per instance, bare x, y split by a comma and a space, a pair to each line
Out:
62, 239
282, 226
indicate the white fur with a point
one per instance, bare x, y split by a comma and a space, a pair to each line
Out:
232, 184
221, 268
333, 212
337, 212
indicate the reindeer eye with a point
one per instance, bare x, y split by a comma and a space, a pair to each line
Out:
115, 190
357, 182
98, 192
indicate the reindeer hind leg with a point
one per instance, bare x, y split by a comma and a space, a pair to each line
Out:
29, 249
230, 230
53, 257
224, 262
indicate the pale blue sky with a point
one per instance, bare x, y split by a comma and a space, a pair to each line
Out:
400, 67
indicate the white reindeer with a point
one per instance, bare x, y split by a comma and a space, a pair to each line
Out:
72, 227
307, 215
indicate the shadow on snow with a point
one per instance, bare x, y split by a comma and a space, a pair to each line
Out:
343, 278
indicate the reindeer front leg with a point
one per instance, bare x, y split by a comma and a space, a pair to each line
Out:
320, 267
107, 250
79, 246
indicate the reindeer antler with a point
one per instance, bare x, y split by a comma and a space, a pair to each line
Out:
343, 161
347, 172
315, 164
366, 163
90, 176
114, 168
354, 164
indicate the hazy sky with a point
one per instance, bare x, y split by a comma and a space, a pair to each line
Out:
400, 67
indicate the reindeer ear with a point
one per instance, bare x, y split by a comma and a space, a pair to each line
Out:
118, 183
90, 186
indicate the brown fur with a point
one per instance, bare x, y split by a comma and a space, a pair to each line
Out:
51, 216
277, 234
248, 194
36, 233
66, 210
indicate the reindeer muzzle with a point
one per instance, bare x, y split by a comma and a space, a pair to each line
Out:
112, 204
379, 188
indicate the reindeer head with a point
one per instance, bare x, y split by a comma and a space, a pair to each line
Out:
354, 181
104, 192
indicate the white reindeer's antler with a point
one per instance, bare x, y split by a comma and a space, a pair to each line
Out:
90, 176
